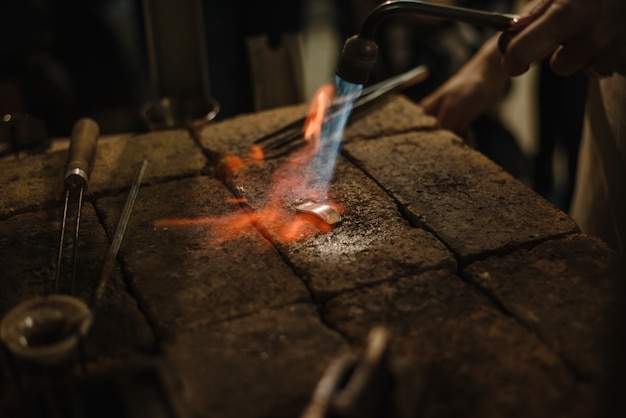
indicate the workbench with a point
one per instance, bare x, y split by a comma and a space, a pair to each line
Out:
492, 295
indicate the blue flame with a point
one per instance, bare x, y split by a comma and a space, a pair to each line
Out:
322, 165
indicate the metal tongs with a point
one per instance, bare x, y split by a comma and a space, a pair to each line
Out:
370, 386
290, 137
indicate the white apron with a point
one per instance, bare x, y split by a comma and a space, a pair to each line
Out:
599, 202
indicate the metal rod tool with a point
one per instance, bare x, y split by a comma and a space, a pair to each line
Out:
83, 142
119, 232
290, 137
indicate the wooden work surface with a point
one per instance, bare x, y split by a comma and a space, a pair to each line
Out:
495, 302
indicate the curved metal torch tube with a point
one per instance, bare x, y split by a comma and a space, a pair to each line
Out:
497, 21
360, 51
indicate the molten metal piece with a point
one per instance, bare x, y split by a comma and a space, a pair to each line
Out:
321, 210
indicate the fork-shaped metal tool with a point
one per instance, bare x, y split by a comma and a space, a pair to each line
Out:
82, 151
290, 137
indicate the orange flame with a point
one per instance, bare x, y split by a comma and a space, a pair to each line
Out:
282, 223
313, 124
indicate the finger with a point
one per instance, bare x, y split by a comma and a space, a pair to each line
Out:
577, 53
567, 60
517, 25
536, 8
611, 60
453, 121
540, 38
590, 71
430, 104
530, 45
529, 14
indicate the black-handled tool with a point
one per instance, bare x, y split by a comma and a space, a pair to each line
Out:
83, 143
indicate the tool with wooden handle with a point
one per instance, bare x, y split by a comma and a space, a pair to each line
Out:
83, 143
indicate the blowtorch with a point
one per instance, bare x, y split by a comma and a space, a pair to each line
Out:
360, 51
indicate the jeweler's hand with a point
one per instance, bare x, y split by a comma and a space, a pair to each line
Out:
575, 34
470, 92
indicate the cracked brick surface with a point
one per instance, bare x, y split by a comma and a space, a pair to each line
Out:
492, 295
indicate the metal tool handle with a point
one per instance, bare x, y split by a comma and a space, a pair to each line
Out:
82, 151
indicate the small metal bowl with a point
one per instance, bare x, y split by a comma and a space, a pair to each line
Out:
47, 329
